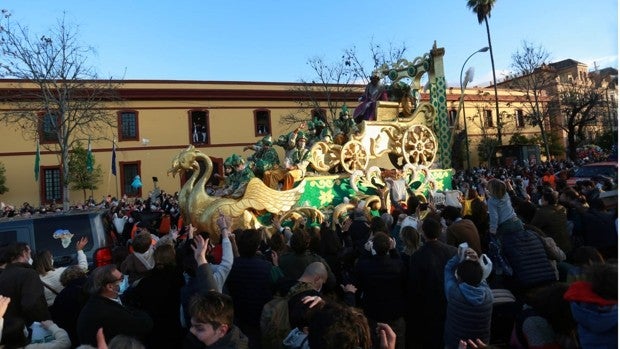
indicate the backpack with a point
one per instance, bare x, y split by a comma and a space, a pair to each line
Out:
274, 323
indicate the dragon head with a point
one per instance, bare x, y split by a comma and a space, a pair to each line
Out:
184, 161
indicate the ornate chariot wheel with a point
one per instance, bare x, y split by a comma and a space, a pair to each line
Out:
354, 156
324, 156
419, 145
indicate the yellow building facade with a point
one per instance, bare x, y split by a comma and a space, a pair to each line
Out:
157, 119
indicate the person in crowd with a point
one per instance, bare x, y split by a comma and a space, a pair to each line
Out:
212, 317
50, 276
4, 304
546, 321
460, 230
425, 289
412, 241
527, 255
551, 218
105, 309
330, 250
20, 282
479, 215
597, 228
309, 284
373, 92
295, 164
137, 264
381, 280
158, 293
294, 263
469, 300
502, 217
69, 302
337, 326
582, 258
249, 284
594, 305
359, 231
198, 273
556, 256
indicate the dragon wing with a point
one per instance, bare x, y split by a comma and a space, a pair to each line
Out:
260, 197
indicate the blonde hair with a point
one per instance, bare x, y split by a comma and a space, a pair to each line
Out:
497, 188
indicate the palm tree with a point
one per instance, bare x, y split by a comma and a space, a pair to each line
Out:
482, 8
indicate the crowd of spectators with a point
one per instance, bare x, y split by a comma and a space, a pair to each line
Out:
521, 260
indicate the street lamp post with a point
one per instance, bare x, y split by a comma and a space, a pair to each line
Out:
463, 86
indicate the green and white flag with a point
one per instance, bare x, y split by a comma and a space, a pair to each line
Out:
37, 159
89, 158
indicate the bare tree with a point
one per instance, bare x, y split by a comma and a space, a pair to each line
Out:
582, 104
336, 82
532, 76
488, 142
59, 97
332, 85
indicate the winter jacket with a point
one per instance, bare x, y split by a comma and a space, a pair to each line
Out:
21, 283
425, 293
552, 220
525, 252
234, 339
114, 318
500, 211
597, 317
468, 315
381, 282
249, 285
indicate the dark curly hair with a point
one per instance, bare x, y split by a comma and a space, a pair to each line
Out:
336, 326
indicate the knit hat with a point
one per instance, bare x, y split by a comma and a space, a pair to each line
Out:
236, 160
301, 135
267, 140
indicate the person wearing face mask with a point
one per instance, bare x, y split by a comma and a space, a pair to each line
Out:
104, 309
20, 282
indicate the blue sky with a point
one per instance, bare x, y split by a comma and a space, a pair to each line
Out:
269, 40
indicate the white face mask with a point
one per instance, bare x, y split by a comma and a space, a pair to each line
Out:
30, 260
540, 202
122, 287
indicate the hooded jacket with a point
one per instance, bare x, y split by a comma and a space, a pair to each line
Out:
469, 310
597, 317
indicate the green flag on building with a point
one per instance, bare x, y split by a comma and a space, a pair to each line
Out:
37, 159
89, 158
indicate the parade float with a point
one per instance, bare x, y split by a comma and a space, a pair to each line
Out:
411, 136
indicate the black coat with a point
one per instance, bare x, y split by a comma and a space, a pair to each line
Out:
381, 281
426, 310
22, 284
159, 295
114, 318
67, 306
249, 285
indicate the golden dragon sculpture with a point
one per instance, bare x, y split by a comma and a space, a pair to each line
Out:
202, 210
